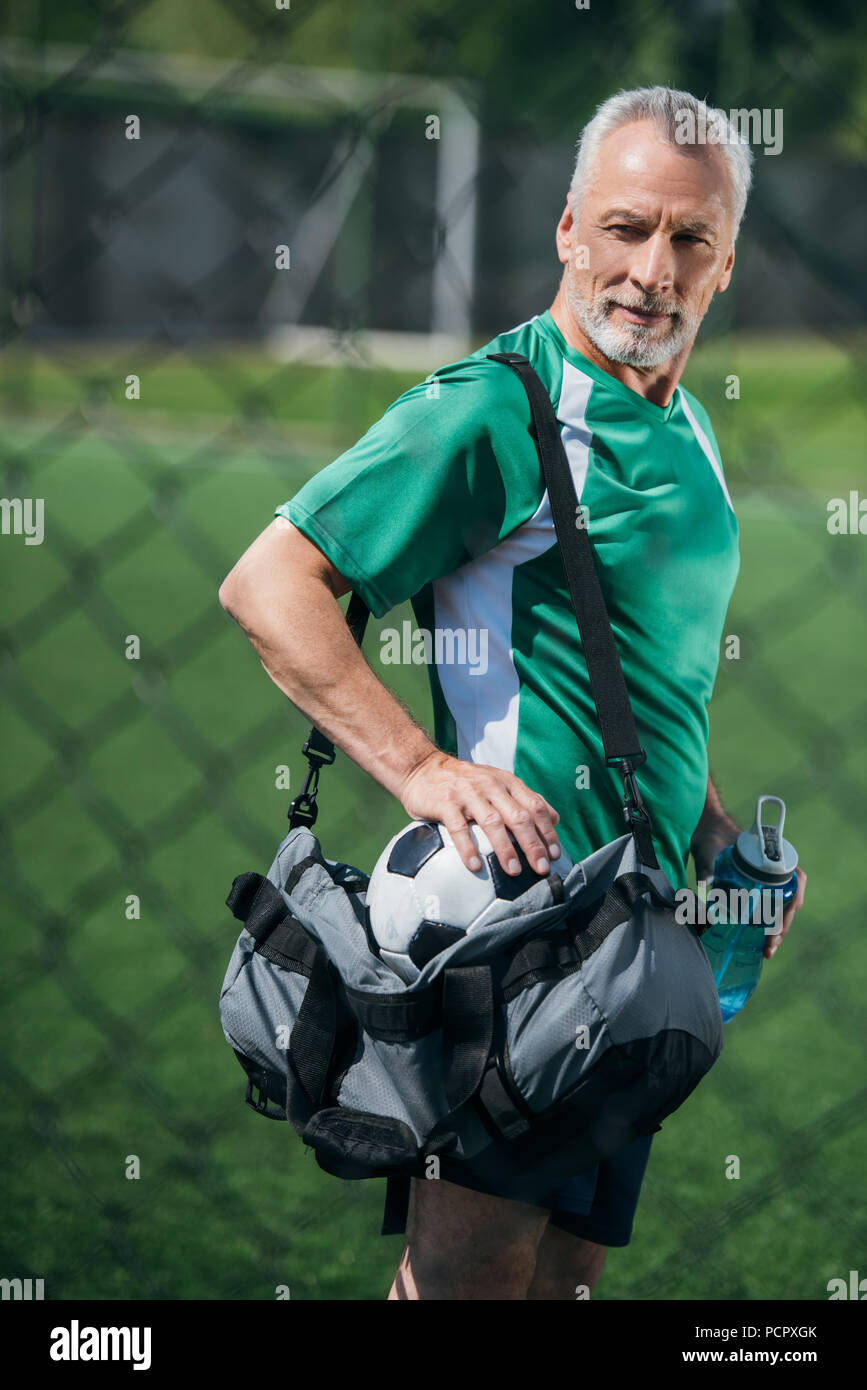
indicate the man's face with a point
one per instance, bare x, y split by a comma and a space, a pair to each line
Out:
658, 226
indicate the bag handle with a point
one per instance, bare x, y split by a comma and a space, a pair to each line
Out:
610, 696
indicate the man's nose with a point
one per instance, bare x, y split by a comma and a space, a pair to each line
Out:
652, 265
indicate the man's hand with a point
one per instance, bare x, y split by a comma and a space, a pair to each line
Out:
705, 850
443, 788
708, 842
715, 832
772, 942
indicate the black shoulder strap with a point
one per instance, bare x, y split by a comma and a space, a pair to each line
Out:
317, 749
613, 710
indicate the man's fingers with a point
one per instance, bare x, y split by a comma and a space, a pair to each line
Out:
773, 942
462, 839
488, 818
455, 793
798, 899
498, 814
543, 817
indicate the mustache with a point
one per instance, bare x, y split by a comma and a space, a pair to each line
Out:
646, 304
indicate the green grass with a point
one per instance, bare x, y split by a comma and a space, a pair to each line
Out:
156, 778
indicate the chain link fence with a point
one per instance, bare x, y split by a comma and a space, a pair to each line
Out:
164, 386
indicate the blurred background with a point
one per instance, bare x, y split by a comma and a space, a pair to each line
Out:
164, 386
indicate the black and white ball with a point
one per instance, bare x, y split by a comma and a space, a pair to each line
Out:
422, 897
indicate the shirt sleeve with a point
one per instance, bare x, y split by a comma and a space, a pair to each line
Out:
445, 474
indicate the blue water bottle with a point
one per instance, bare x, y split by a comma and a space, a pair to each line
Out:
757, 876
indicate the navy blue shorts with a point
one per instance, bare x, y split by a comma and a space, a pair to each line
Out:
597, 1205
600, 1204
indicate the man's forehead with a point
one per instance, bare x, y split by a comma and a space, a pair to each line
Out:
637, 168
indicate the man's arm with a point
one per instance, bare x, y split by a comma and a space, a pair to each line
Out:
283, 592
716, 830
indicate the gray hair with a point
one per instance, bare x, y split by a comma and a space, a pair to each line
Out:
673, 113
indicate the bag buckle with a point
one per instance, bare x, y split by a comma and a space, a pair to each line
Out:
634, 810
303, 809
260, 1103
316, 755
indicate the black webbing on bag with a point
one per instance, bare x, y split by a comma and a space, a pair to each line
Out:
468, 1028
610, 696
278, 936
589, 927
311, 1043
543, 958
399, 1017
255, 901
298, 870
561, 953
397, 1191
501, 1105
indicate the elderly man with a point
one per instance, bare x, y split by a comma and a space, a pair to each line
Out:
443, 502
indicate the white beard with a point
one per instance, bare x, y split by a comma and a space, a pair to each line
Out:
633, 344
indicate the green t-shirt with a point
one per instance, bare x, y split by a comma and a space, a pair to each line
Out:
443, 502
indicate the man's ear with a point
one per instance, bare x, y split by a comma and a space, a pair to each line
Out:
726, 275
564, 234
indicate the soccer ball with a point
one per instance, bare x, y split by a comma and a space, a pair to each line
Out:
422, 897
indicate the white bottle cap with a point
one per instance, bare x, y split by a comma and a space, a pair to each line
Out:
761, 852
